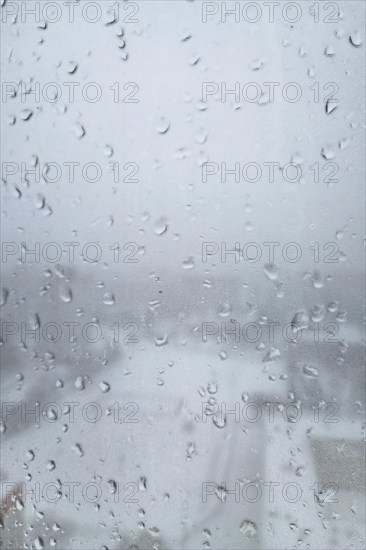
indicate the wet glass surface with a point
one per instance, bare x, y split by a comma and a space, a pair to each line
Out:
182, 303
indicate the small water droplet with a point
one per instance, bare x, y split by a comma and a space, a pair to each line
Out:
104, 387
219, 421
201, 136
331, 106
163, 126
190, 451
26, 114
272, 355
329, 51
212, 388
39, 202
188, 263
79, 130
225, 309
79, 383
316, 279
72, 67
51, 465
161, 341
109, 299
77, 449
30, 455
356, 39
4, 296
257, 65
328, 152
112, 486
66, 295
108, 150
142, 483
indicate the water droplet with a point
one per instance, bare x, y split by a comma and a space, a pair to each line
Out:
51, 465
163, 126
104, 387
185, 36
212, 388
161, 341
30, 455
66, 295
77, 449
356, 39
271, 270
39, 202
188, 263
79, 383
72, 67
112, 486
300, 320
302, 52
19, 504
109, 299
142, 483
225, 309
108, 150
257, 65
190, 451
4, 296
248, 528
79, 130
317, 313
328, 152
329, 51
219, 421
26, 114
310, 371
331, 106
272, 355
333, 307
316, 279
201, 136
343, 143
160, 226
